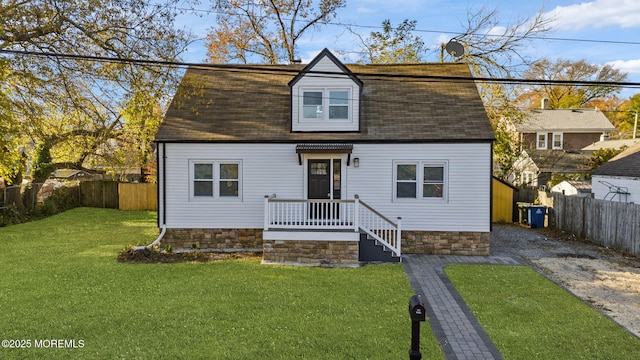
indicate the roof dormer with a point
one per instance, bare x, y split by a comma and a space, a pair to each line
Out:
325, 97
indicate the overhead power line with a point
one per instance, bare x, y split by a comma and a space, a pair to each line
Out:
263, 69
432, 31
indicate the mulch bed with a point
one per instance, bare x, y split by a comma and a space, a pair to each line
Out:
149, 256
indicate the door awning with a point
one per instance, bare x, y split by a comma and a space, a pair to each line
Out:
324, 149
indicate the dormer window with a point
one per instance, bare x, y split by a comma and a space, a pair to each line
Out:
325, 104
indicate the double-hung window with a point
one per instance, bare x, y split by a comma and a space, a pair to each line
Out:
215, 179
541, 141
326, 104
557, 141
420, 180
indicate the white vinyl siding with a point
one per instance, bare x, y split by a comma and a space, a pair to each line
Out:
273, 169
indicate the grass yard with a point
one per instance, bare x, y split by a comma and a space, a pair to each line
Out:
60, 280
529, 317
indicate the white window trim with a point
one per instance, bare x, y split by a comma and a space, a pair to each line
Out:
553, 140
538, 147
420, 164
216, 180
325, 104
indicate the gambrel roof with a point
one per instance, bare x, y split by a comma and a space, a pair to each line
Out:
565, 120
252, 103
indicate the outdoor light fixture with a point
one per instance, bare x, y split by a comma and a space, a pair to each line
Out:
356, 162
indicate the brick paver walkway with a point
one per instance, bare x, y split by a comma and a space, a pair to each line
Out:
456, 329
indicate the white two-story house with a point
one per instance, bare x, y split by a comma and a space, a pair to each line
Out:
309, 162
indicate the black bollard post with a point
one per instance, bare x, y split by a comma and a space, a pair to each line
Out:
417, 313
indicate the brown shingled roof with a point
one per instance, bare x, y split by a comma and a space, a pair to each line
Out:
252, 104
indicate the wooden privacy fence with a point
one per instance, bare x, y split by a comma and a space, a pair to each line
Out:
138, 196
608, 223
123, 196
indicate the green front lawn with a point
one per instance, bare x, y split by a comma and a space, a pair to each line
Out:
529, 317
60, 281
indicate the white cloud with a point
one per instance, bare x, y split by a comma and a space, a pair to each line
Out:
597, 14
632, 67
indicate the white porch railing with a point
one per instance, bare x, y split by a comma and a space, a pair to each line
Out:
319, 214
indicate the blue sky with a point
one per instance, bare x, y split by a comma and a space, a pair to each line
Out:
603, 20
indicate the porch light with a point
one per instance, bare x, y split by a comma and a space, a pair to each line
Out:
356, 162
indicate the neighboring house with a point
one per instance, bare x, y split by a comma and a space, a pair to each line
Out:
552, 140
562, 129
619, 178
304, 162
573, 188
537, 167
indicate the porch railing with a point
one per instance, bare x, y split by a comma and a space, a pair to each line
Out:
320, 214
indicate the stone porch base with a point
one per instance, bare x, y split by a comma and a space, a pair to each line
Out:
311, 253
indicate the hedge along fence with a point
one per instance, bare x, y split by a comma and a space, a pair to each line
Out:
608, 223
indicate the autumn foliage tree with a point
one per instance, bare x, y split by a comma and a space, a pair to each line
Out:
58, 97
570, 95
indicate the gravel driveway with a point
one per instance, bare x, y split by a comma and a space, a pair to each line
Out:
606, 279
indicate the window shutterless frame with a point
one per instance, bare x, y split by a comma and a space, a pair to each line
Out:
420, 180
326, 104
215, 179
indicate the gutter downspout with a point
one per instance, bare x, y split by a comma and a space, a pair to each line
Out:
164, 206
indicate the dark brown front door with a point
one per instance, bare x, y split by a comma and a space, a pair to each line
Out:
319, 179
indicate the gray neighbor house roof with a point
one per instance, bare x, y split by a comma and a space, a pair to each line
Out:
252, 103
627, 164
567, 120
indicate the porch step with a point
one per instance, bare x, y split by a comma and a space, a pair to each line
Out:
372, 252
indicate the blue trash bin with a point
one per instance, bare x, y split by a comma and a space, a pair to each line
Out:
536, 216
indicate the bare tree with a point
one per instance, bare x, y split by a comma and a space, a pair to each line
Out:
265, 30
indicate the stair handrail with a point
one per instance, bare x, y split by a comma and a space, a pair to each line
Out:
390, 238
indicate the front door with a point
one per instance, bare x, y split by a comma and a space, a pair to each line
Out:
319, 179
324, 182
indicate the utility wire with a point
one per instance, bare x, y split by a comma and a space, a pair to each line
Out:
378, 27
265, 69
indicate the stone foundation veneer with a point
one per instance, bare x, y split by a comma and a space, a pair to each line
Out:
218, 239
331, 253
445, 243
311, 253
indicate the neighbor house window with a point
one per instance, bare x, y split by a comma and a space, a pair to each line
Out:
557, 141
420, 180
326, 104
541, 141
215, 179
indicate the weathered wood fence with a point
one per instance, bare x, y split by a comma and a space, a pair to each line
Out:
608, 223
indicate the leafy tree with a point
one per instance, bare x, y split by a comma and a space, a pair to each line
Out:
601, 156
394, 45
564, 96
265, 30
626, 116
70, 104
